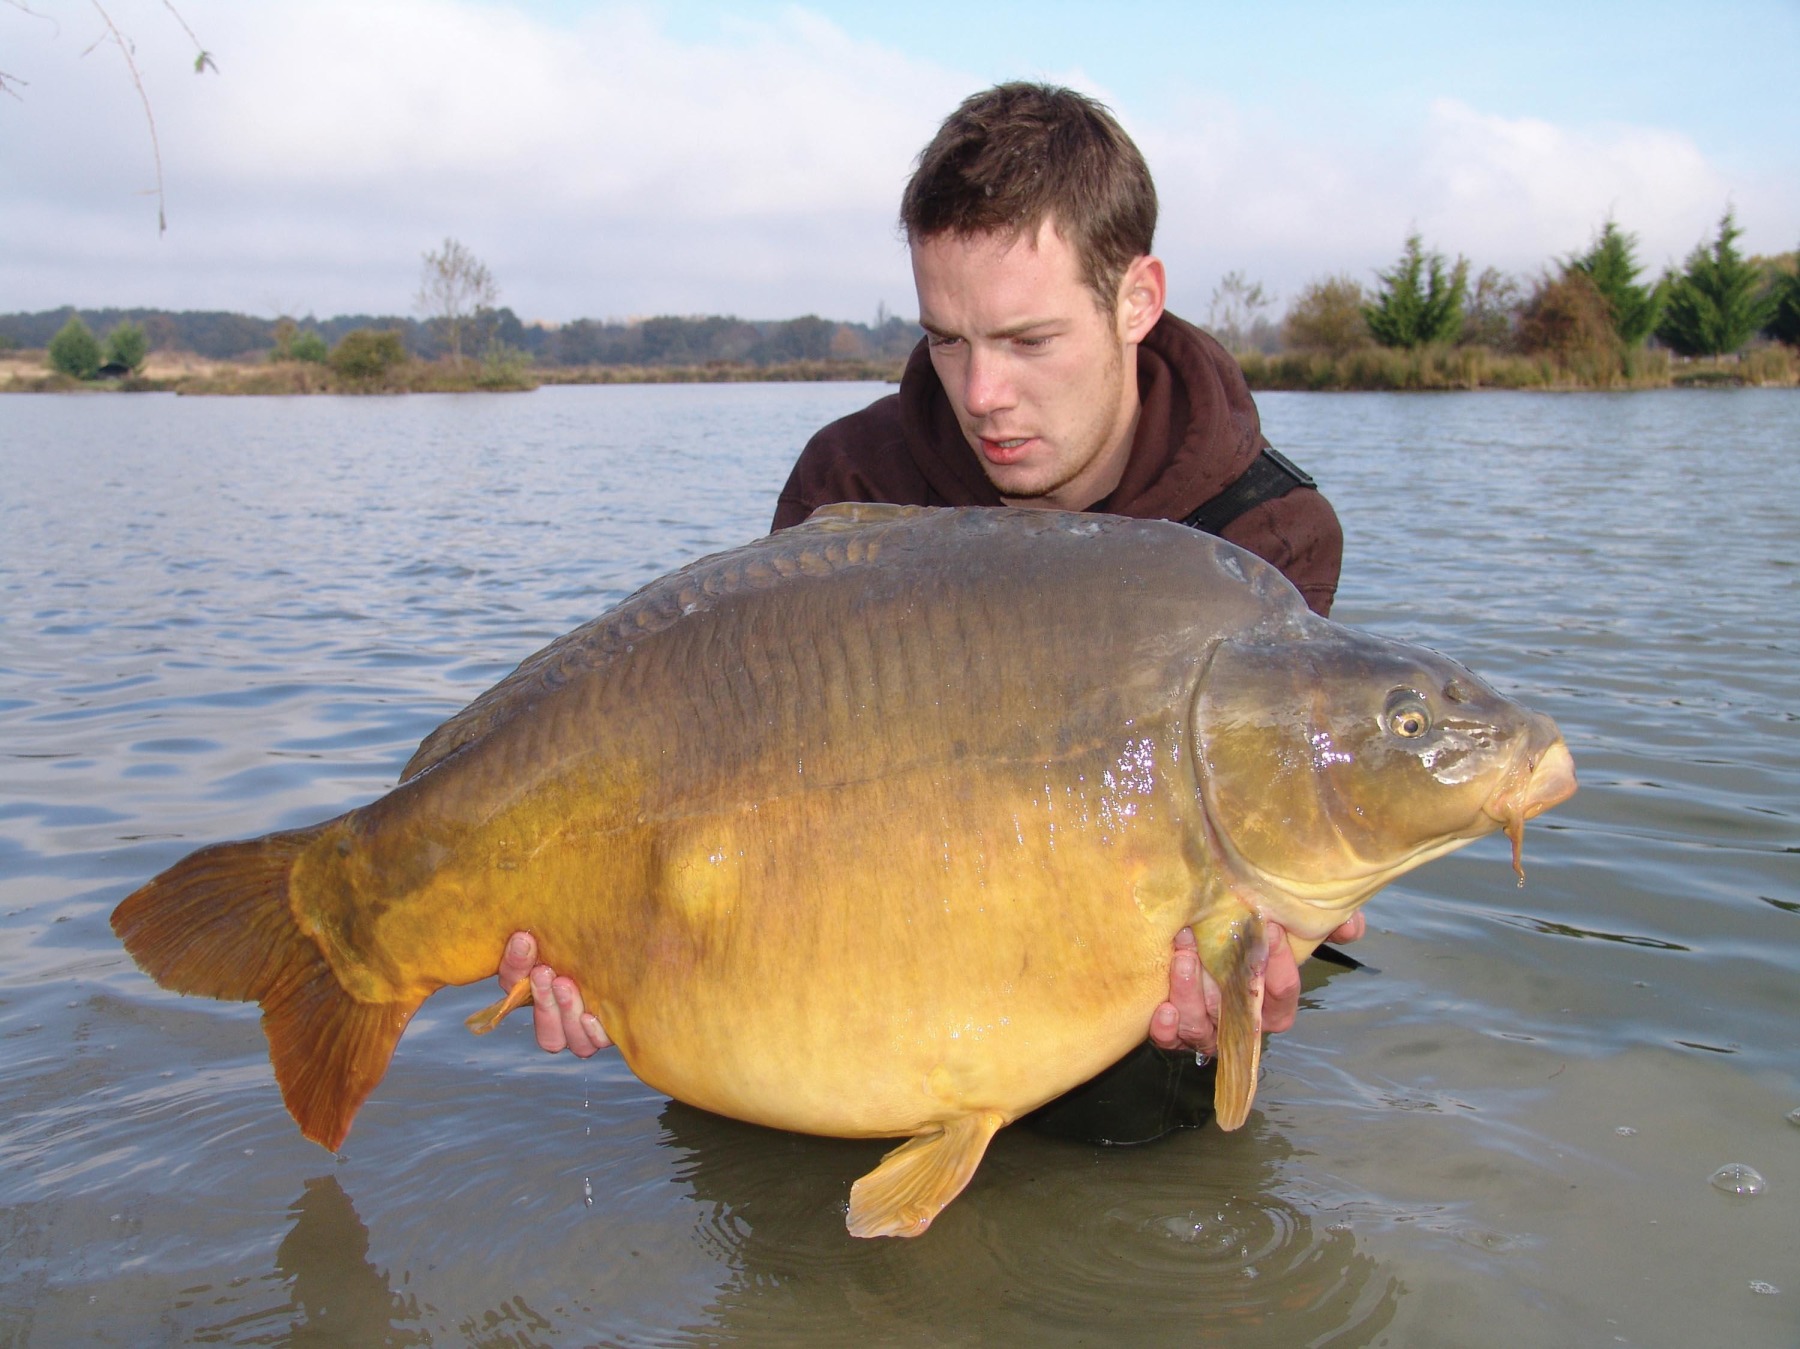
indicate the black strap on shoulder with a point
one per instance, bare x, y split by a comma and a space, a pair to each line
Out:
1270, 475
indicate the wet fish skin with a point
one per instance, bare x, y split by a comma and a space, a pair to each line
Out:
881, 826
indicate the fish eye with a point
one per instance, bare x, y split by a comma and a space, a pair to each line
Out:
1406, 715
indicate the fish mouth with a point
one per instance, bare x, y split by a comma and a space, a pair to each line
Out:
1547, 779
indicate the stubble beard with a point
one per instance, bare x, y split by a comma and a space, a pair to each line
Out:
1035, 492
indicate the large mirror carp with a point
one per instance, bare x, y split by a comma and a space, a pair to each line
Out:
881, 826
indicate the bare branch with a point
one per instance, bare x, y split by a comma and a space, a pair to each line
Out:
455, 288
24, 8
125, 50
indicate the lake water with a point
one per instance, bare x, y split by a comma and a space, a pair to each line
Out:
222, 617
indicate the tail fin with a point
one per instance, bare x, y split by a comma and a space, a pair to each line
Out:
218, 923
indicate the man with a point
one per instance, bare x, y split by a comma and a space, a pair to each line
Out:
1050, 377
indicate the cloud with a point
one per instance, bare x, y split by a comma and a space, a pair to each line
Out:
603, 167
608, 166
1519, 190
1515, 193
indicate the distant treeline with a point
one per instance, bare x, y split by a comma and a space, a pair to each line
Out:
664, 341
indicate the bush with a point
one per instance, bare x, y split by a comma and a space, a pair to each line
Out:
367, 355
1491, 316
127, 345
503, 367
1327, 317
309, 347
74, 350
1567, 317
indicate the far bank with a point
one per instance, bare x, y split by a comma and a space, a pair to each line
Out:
1368, 369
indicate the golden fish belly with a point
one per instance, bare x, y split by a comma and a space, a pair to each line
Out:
888, 964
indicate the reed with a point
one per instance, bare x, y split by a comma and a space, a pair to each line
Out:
1448, 368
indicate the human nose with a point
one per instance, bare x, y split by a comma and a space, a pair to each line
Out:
987, 383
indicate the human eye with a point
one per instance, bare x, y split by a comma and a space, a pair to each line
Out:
941, 341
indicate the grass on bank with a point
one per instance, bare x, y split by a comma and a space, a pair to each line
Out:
1448, 368
25, 372
1367, 368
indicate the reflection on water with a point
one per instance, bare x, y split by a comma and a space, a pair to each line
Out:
1167, 1217
328, 1292
222, 617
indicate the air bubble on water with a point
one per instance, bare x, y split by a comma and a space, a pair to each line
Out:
1625, 1131
587, 1191
1736, 1178
1759, 1286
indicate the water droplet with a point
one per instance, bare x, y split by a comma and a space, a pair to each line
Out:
1736, 1178
1759, 1286
1625, 1131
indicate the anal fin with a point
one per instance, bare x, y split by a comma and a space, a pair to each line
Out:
916, 1180
488, 1017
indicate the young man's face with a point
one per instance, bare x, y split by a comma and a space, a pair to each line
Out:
1044, 383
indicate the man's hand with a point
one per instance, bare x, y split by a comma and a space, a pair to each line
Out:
557, 1016
1189, 1019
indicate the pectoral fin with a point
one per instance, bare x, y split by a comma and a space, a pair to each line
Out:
489, 1017
1234, 953
916, 1180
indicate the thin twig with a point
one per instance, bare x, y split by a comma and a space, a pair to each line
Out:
162, 223
203, 59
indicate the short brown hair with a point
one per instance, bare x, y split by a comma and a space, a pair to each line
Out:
1013, 156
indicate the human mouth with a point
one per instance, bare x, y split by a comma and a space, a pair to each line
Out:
1007, 451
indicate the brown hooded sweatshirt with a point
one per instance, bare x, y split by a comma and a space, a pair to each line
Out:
1197, 431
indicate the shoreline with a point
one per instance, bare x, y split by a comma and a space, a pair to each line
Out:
1370, 370
182, 373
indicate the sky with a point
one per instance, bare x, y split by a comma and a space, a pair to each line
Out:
618, 160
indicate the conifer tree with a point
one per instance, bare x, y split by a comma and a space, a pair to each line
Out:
75, 350
1611, 264
1714, 306
127, 345
1420, 300
1784, 302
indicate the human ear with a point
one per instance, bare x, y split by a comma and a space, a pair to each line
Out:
1142, 294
